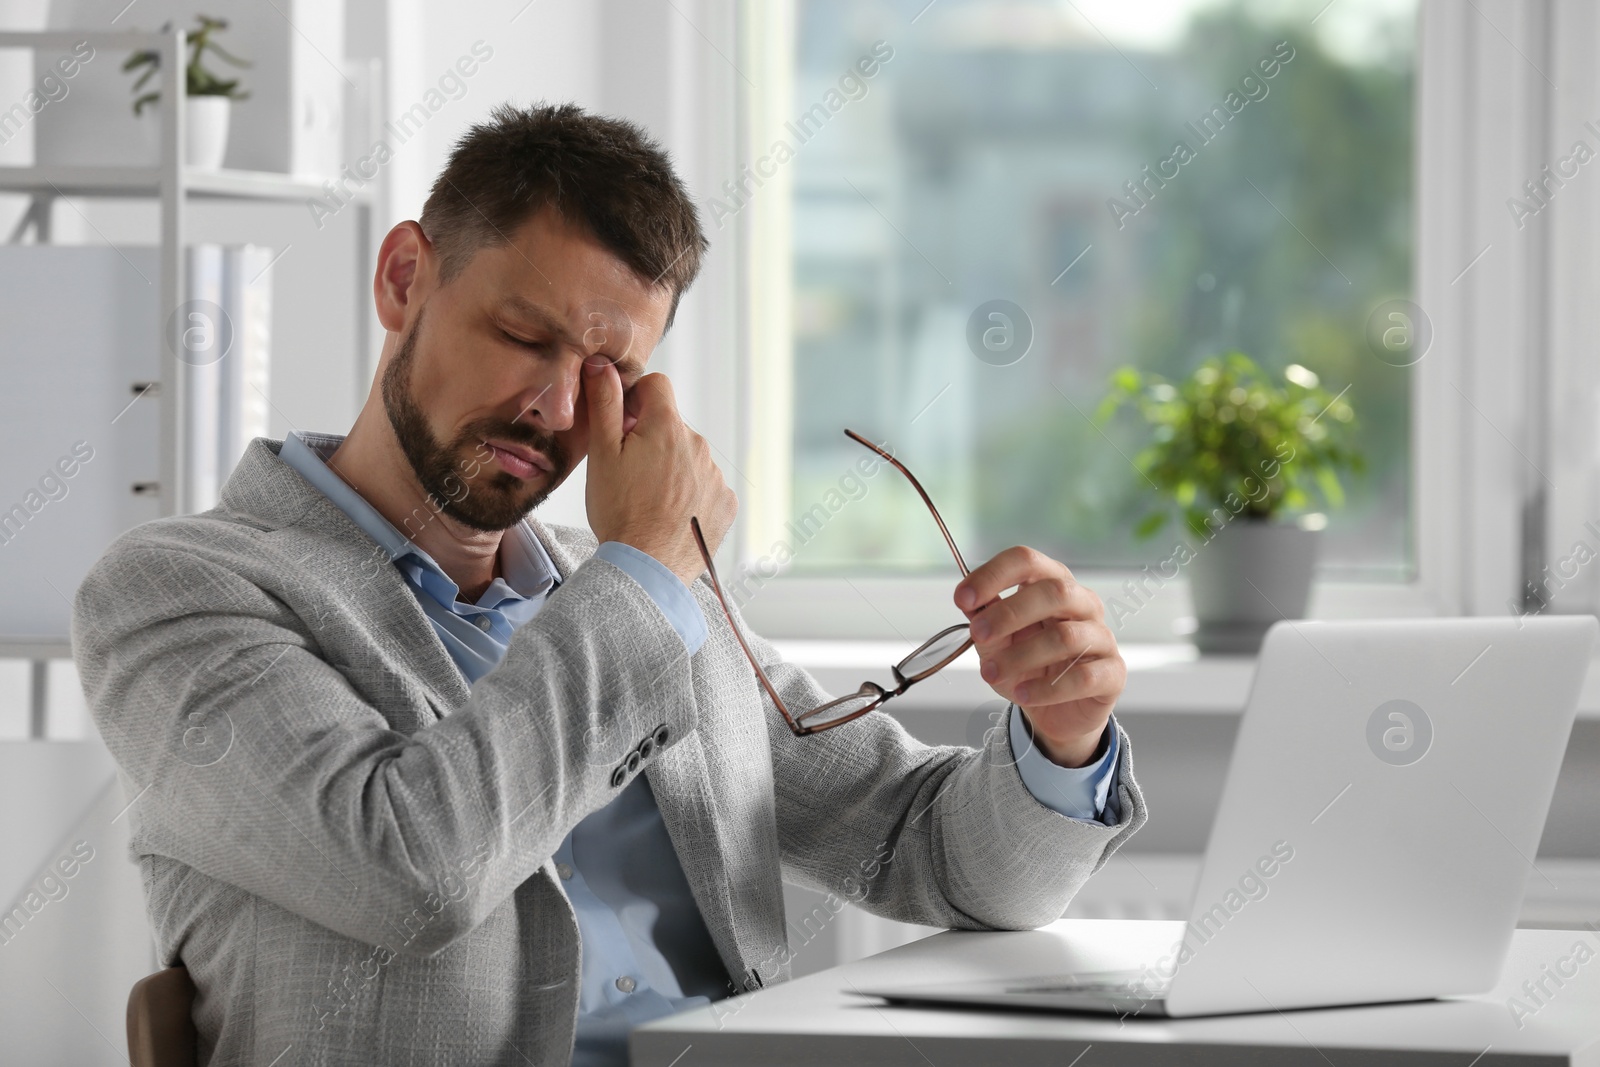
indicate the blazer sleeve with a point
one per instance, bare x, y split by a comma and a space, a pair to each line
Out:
315, 803
937, 835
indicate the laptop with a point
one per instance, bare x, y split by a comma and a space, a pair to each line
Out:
1386, 796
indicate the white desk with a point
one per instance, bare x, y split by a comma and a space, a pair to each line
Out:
813, 1020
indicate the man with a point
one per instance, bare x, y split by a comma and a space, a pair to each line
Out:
420, 779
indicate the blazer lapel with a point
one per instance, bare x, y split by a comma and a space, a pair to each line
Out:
386, 595
339, 554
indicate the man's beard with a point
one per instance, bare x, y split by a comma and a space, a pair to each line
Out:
460, 478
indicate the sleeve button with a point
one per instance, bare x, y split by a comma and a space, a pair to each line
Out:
618, 775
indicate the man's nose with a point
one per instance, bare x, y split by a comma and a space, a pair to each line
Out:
552, 402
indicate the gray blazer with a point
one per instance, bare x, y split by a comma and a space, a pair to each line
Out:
351, 850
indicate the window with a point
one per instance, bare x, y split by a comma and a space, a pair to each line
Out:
1028, 152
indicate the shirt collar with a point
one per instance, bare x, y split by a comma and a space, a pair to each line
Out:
526, 566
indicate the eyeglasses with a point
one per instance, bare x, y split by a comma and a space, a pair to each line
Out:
932, 655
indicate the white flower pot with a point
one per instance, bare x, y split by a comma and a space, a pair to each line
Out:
205, 131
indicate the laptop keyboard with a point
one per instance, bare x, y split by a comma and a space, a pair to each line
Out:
1134, 983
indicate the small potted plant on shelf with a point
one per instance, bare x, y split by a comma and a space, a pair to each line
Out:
1242, 459
206, 107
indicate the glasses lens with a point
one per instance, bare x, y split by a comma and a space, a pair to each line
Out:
937, 651
842, 708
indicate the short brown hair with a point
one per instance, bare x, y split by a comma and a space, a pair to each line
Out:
604, 174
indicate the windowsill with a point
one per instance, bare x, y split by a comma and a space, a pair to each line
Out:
866, 607
1166, 678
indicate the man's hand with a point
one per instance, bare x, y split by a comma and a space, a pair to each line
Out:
1045, 648
648, 472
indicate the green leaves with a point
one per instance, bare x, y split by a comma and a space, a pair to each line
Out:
1231, 437
198, 80
1150, 524
1332, 491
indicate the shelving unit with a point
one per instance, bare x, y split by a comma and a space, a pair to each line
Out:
174, 185
147, 181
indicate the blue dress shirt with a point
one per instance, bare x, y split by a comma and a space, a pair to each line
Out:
646, 952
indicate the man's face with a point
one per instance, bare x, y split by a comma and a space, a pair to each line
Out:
496, 366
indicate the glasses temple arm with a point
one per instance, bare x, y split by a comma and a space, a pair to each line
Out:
901, 467
716, 587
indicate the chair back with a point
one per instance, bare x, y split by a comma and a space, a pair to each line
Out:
160, 1029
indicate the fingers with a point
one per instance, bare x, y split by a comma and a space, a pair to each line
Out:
650, 472
650, 407
1099, 680
653, 399
1047, 643
630, 411
1014, 566
1047, 648
1054, 596
602, 390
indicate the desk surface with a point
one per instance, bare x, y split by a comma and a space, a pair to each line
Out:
815, 1020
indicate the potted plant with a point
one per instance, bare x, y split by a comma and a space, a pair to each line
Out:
206, 106
1242, 459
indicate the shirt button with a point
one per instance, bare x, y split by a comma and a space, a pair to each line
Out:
564, 871
484, 622
625, 984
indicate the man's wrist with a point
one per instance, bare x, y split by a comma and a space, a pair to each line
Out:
686, 565
1074, 752
1083, 793
659, 555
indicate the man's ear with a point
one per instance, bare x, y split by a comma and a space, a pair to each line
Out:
405, 259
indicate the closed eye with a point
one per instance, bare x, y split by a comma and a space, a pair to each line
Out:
537, 346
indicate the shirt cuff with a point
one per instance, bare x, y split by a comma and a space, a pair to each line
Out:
665, 588
1077, 792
